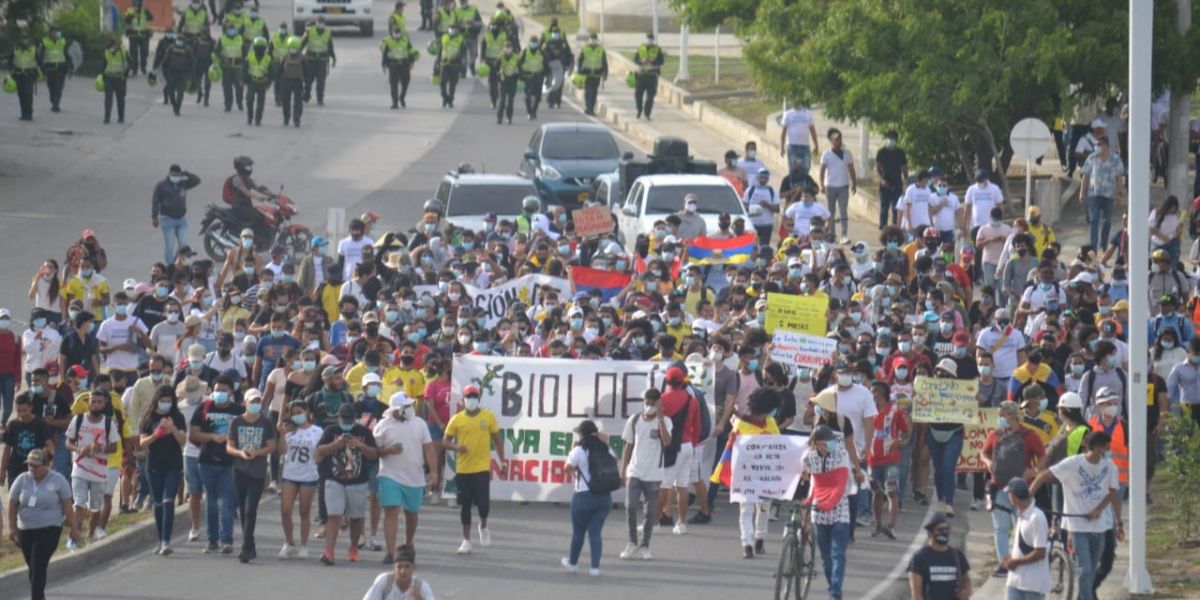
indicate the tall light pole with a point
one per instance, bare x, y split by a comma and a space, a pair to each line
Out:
582, 34
682, 74
1141, 32
654, 18
717, 55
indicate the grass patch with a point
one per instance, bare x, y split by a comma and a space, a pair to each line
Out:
753, 111
11, 558
567, 22
1173, 568
735, 75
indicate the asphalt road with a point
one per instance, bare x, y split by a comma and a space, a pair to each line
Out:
65, 172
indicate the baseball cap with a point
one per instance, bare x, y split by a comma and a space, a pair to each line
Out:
676, 375
195, 353
330, 372
252, 395
1018, 487
37, 457
400, 399
370, 378
1070, 400
471, 390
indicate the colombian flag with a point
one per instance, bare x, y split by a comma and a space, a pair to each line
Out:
709, 251
724, 471
609, 283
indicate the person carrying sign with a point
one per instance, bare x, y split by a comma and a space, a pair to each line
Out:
752, 516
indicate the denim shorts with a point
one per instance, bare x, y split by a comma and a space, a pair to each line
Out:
885, 478
302, 484
373, 478
191, 475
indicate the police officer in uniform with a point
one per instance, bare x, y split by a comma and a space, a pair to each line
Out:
318, 57
177, 63
508, 68
426, 15
396, 20
490, 46
445, 17
533, 71
397, 58
164, 45
258, 79
202, 50
505, 20
254, 26
593, 63
450, 62
116, 68
470, 24
24, 67
291, 82
193, 22
649, 61
559, 60
231, 51
56, 65
278, 51
529, 208
137, 29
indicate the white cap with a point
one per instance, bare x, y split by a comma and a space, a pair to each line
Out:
371, 378
130, 283
195, 353
4, 314
400, 400
252, 395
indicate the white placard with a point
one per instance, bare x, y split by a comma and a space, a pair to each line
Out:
801, 349
766, 467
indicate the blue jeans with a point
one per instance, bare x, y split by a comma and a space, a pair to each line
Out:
164, 485
801, 154
1002, 524
945, 458
831, 541
1088, 549
218, 501
1015, 594
8, 383
1099, 215
588, 512
862, 498
175, 234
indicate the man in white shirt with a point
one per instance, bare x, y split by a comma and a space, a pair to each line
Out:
1004, 343
945, 208
760, 193
750, 164
915, 205
838, 180
981, 198
120, 337
801, 213
855, 402
405, 449
641, 467
1027, 564
350, 249
797, 129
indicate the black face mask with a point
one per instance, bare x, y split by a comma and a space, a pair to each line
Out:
407, 360
942, 538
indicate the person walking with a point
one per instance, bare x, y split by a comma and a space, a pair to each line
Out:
1101, 188
1010, 450
473, 434
593, 65
22, 63
251, 440
137, 29
209, 429
116, 69
258, 79
291, 83
168, 209
649, 58
797, 130
319, 57
406, 449
39, 504
300, 477
592, 500
449, 67
56, 64
202, 45
231, 54
827, 465
163, 432
1027, 564
178, 63
343, 452
938, 571
400, 583
838, 181
533, 69
279, 50
490, 46
891, 169
509, 69
642, 470
470, 25
396, 58
559, 61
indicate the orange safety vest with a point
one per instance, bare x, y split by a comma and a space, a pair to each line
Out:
1120, 451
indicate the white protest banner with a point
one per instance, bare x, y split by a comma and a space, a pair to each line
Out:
802, 349
766, 467
496, 300
538, 402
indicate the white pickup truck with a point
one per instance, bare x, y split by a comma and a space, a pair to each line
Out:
654, 197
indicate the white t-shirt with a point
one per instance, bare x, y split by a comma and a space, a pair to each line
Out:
855, 403
837, 169
764, 196
751, 167
408, 467
982, 198
114, 333
300, 461
1084, 487
1004, 349
944, 217
190, 450
918, 199
1034, 576
1039, 298
163, 338
378, 592
279, 378
802, 215
83, 432
797, 121
235, 362
578, 458
646, 461
352, 250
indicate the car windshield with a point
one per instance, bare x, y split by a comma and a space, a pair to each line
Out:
483, 199
580, 145
712, 199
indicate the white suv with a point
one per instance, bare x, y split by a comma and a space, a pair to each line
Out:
654, 197
336, 12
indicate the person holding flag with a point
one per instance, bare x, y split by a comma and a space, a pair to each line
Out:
827, 465
752, 516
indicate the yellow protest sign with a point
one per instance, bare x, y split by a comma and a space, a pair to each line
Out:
802, 314
974, 435
945, 400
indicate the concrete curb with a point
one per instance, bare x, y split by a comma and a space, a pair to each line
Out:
71, 565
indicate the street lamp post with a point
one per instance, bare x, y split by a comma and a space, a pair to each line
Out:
682, 74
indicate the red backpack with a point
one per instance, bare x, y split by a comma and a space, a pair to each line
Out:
228, 191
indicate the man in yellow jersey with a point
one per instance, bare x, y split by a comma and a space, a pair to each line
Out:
473, 433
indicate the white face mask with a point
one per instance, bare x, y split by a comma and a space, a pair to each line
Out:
845, 380
472, 404
1111, 411
650, 410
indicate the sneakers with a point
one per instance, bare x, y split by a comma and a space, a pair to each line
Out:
865, 520
165, 550
680, 528
644, 552
921, 499
889, 532
99, 534
158, 548
226, 548
566, 563
211, 548
878, 531
628, 552
747, 551
1000, 573
485, 536
760, 547
327, 558
320, 532
244, 556
287, 551
977, 505
665, 521
193, 535
465, 547
353, 554
373, 545
389, 559
700, 519
303, 553
594, 572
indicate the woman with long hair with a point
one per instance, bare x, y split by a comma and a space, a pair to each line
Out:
44, 291
1166, 227
163, 432
300, 478
589, 509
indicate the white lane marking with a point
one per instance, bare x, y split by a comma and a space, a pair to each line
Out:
902, 565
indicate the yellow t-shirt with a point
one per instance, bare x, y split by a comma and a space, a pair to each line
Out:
230, 318
691, 302
77, 289
474, 432
354, 379
412, 381
678, 333
80, 407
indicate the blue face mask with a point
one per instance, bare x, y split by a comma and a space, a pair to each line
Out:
1002, 422
278, 333
901, 372
164, 407
468, 246
175, 178
420, 314
753, 364
346, 426
220, 397
37, 389
392, 316
231, 32
1042, 404
39, 323
121, 309
481, 346
300, 419
415, 337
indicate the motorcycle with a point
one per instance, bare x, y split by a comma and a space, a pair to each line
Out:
221, 228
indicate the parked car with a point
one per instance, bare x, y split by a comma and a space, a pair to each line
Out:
468, 198
336, 12
562, 159
654, 197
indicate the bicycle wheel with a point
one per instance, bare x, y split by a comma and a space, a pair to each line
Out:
785, 575
1062, 574
807, 565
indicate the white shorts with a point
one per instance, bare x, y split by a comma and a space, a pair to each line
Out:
683, 472
110, 485
87, 493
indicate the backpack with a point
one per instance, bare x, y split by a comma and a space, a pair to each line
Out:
1091, 384
1008, 457
78, 424
606, 476
228, 192
705, 415
671, 449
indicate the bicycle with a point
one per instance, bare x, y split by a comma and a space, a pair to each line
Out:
797, 559
1064, 573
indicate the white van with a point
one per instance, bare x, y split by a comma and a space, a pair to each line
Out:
336, 12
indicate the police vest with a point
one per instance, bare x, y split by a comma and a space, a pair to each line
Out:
523, 224
114, 63
535, 62
55, 51
194, 21
399, 22
466, 15
648, 52
254, 28
231, 49
494, 44
25, 59
509, 66
446, 18
1075, 439
396, 50
593, 57
318, 42
258, 69
452, 48
279, 46
138, 23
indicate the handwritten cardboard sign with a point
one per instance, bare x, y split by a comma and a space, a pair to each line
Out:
801, 349
945, 401
593, 220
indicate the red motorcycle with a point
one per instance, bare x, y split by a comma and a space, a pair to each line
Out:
222, 228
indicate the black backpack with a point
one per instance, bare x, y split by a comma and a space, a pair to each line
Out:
671, 450
606, 476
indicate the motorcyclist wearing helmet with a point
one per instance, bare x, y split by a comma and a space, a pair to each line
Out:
530, 206
245, 192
